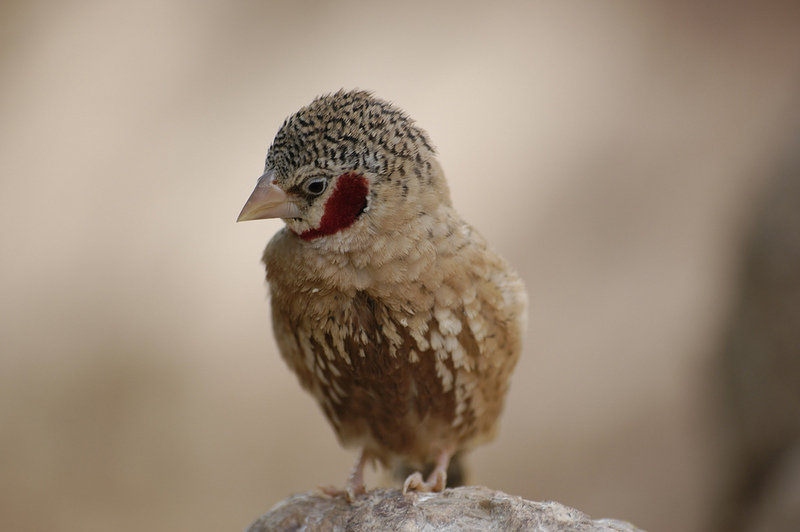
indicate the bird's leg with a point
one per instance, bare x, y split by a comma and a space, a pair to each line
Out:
355, 483
437, 480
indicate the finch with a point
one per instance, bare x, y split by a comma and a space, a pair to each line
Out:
393, 312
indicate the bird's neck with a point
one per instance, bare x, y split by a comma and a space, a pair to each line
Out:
361, 258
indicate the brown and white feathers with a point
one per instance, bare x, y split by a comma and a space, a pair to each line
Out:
393, 311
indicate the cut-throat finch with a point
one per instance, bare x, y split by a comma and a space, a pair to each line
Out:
394, 312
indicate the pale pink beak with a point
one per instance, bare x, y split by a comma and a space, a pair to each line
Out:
268, 200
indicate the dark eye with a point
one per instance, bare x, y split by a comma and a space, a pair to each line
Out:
316, 186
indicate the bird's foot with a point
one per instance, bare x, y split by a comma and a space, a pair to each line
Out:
355, 484
437, 480
350, 492
435, 483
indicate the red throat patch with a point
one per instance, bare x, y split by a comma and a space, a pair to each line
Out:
347, 201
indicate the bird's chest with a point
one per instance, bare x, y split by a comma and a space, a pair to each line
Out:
362, 360
343, 342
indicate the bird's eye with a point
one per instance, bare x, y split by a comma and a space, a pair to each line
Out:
316, 186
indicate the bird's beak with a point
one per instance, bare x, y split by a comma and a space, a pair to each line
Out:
268, 200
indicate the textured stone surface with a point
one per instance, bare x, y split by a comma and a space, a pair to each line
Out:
459, 509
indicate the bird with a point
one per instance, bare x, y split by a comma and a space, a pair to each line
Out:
394, 313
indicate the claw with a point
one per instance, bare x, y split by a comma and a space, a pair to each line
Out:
436, 481
413, 482
350, 492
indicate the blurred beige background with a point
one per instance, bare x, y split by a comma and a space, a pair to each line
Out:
610, 150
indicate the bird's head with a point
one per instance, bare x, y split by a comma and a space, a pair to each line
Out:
347, 162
